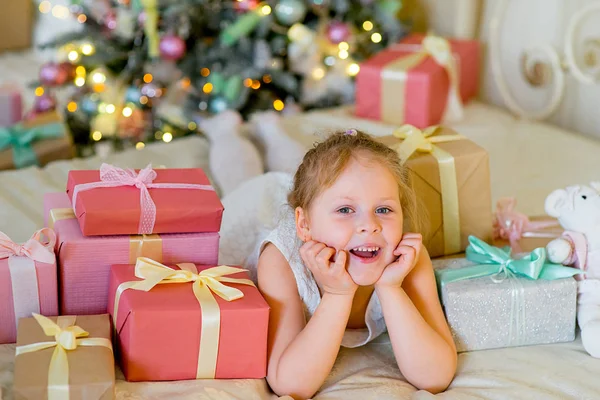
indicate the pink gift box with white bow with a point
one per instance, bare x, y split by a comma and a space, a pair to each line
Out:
115, 201
28, 281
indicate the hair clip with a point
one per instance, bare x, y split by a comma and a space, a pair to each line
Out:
351, 132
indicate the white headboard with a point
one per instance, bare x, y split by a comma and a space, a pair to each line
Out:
542, 57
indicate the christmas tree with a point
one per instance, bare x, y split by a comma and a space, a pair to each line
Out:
146, 70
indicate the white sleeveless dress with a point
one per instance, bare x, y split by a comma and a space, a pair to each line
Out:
262, 203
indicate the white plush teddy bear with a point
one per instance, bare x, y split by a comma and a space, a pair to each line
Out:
577, 209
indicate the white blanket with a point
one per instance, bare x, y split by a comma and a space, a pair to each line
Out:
527, 160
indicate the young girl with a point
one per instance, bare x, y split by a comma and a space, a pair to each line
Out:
339, 269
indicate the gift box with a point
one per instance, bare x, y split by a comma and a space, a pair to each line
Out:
27, 280
11, 105
49, 364
492, 300
84, 262
37, 141
16, 24
113, 201
418, 81
451, 177
208, 322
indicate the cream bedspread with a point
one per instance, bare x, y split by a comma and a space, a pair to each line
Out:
528, 160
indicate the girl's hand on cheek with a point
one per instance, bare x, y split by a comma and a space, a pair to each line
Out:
408, 252
331, 276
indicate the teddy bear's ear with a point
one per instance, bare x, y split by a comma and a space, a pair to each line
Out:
595, 186
555, 202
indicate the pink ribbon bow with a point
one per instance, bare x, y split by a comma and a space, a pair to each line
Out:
111, 176
22, 271
33, 249
512, 225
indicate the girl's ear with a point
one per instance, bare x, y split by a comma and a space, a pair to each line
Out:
302, 226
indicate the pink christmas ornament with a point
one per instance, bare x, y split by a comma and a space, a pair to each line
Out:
52, 74
110, 21
338, 32
245, 5
171, 47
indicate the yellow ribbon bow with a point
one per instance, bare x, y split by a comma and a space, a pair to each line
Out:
414, 139
153, 273
395, 75
67, 336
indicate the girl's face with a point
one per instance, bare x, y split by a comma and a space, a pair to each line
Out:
361, 214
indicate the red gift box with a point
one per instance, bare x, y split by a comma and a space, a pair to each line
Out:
161, 331
27, 284
84, 262
11, 105
401, 86
126, 207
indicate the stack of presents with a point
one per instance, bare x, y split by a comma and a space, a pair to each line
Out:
126, 268
128, 262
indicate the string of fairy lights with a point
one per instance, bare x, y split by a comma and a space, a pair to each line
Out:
97, 79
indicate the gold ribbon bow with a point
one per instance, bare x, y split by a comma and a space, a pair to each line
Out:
153, 273
151, 27
395, 75
67, 337
414, 139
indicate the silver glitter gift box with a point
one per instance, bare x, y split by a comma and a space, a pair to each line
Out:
517, 311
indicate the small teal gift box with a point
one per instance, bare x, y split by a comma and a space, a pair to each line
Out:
35, 142
492, 300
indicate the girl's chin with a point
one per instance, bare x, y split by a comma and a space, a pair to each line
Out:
364, 276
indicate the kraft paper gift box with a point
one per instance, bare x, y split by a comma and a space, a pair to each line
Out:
493, 300
27, 280
84, 262
451, 177
11, 105
184, 329
37, 141
46, 369
16, 24
407, 83
113, 201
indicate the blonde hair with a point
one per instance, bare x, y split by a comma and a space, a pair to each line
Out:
324, 163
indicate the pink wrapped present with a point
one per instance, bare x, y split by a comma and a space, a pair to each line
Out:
84, 262
27, 281
421, 81
114, 201
207, 322
11, 105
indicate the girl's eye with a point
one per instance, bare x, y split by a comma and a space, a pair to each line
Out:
383, 210
345, 210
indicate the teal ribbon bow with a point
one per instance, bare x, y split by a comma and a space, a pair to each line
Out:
20, 139
498, 263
